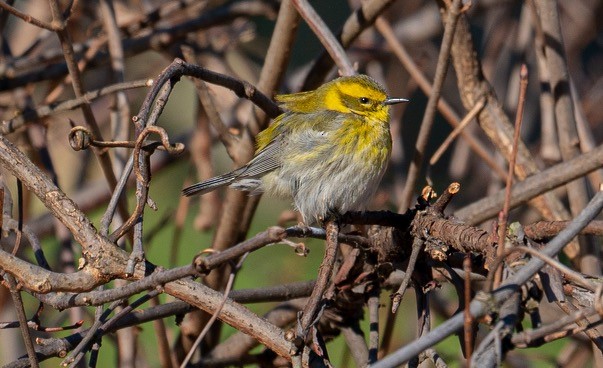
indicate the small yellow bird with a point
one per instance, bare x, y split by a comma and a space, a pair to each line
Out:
328, 150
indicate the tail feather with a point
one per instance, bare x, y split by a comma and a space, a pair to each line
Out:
210, 184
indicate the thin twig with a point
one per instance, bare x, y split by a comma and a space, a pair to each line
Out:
430, 109
23, 326
179, 68
417, 247
592, 334
373, 307
277, 58
325, 36
555, 329
494, 121
215, 315
357, 22
468, 330
273, 71
28, 18
78, 88
563, 107
77, 353
313, 307
568, 273
10, 126
152, 37
457, 130
443, 106
480, 305
547, 229
142, 175
532, 186
502, 224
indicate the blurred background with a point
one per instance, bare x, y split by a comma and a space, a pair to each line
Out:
233, 37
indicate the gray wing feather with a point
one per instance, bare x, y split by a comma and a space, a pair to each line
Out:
210, 184
264, 162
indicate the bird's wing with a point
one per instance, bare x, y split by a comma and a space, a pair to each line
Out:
316, 140
210, 184
295, 137
266, 160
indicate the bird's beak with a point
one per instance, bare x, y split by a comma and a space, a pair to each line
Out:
393, 101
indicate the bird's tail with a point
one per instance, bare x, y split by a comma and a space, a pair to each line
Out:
210, 184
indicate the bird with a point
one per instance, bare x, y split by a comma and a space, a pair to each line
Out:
327, 151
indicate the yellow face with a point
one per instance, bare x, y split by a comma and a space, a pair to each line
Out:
359, 95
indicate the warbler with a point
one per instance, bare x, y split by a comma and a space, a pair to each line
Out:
328, 151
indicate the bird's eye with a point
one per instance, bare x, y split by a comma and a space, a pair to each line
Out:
363, 100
